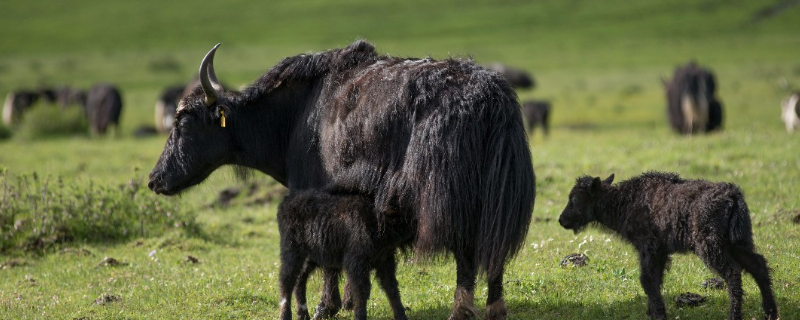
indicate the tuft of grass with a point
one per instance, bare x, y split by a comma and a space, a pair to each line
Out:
37, 213
47, 122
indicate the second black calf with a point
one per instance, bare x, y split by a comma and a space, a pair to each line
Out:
659, 214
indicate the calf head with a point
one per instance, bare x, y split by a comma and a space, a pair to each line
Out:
582, 200
199, 142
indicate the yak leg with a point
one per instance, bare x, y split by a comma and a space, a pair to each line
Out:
291, 266
464, 300
330, 302
651, 277
495, 305
756, 265
386, 273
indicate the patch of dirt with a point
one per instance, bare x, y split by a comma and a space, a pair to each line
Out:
688, 299
13, 263
191, 259
713, 284
796, 219
111, 262
254, 193
541, 220
106, 298
77, 251
575, 259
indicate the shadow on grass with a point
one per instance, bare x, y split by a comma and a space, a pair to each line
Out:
714, 308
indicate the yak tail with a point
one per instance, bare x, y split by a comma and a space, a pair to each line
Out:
740, 228
507, 197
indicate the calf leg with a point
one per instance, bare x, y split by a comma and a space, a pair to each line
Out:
291, 266
756, 265
464, 300
386, 273
495, 305
358, 274
652, 275
300, 290
330, 302
724, 264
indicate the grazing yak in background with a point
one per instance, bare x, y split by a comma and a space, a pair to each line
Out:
790, 112
67, 96
518, 78
103, 107
17, 102
166, 105
692, 106
440, 140
537, 113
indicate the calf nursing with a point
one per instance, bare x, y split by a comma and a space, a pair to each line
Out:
339, 232
659, 214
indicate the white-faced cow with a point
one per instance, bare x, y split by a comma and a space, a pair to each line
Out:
692, 106
103, 107
790, 112
442, 140
16, 104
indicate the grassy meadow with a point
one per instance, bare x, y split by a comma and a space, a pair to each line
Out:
600, 63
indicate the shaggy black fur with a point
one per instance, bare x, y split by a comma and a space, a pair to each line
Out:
692, 105
659, 214
537, 113
441, 140
103, 107
339, 232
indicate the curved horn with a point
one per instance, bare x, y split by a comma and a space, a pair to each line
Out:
208, 80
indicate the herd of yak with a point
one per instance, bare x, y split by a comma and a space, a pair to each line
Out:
383, 154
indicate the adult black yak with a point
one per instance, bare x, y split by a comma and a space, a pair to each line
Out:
692, 106
518, 78
443, 140
103, 107
537, 114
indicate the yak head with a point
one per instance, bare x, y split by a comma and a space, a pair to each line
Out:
582, 199
199, 142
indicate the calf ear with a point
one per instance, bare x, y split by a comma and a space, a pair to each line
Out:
594, 188
609, 180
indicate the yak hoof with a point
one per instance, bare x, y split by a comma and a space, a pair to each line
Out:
497, 310
324, 312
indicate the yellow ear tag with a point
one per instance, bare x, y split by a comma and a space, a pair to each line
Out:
222, 123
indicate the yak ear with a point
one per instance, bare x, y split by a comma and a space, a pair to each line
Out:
609, 180
594, 188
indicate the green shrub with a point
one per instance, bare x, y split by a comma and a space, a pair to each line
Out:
36, 213
5, 133
45, 121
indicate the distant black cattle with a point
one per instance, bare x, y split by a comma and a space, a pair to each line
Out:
518, 78
692, 105
537, 114
16, 104
103, 107
442, 140
166, 105
67, 96
790, 112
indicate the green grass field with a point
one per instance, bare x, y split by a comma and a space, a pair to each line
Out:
599, 62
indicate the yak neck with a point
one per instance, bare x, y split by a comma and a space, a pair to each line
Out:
265, 122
